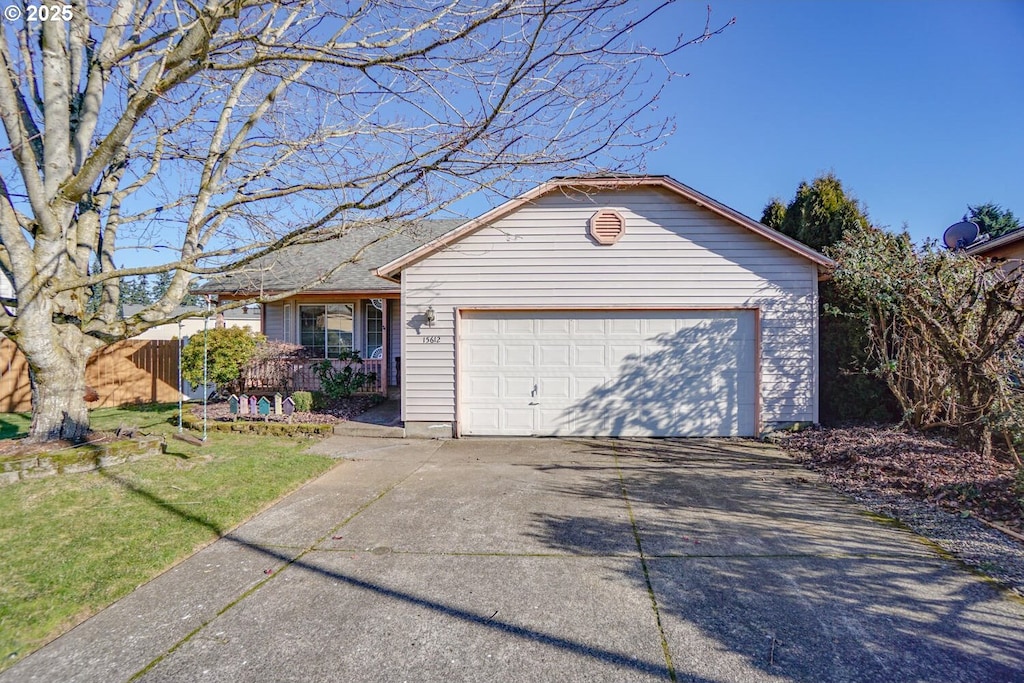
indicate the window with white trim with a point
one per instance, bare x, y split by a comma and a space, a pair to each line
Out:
325, 330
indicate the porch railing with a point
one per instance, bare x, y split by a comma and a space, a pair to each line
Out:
288, 375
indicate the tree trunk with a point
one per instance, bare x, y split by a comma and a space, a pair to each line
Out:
59, 410
57, 353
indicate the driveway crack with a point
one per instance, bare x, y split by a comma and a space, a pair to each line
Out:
643, 564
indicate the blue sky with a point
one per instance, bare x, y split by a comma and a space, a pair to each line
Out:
918, 107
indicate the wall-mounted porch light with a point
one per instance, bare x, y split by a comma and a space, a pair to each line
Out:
429, 316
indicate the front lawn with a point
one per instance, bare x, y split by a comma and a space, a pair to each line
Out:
73, 544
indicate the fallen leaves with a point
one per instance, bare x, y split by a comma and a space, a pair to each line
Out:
891, 460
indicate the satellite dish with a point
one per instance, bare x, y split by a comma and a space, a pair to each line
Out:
960, 235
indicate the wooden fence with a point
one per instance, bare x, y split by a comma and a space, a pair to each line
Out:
133, 371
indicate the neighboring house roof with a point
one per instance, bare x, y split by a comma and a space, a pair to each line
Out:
239, 313
293, 267
392, 268
1004, 240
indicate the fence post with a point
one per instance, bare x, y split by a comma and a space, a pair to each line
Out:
180, 387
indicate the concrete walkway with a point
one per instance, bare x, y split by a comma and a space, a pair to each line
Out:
552, 560
383, 421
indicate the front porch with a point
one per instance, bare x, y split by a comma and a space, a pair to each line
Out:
290, 375
328, 326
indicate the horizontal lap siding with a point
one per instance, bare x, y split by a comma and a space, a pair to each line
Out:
674, 254
273, 322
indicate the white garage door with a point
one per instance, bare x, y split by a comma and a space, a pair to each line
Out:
607, 373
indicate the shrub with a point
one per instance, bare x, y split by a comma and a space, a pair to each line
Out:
943, 330
346, 381
303, 401
227, 350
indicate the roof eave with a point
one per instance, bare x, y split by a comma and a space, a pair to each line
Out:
390, 270
258, 294
982, 248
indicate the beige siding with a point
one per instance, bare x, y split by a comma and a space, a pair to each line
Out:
273, 321
674, 254
1014, 250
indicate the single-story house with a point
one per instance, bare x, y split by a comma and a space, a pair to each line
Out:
623, 306
353, 309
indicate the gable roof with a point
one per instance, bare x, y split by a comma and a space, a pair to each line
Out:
292, 267
392, 268
1004, 240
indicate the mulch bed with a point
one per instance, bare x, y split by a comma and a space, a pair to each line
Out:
889, 460
337, 411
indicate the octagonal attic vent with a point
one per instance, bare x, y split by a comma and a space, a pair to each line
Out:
607, 226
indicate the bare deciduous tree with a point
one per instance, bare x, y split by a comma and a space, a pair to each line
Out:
217, 133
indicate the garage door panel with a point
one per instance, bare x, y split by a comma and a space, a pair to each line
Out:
484, 420
553, 388
525, 327
482, 325
555, 421
627, 327
619, 373
553, 327
658, 326
487, 388
586, 384
518, 421
480, 355
517, 387
590, 355
622, 353
521, 355
555, 356
588, 326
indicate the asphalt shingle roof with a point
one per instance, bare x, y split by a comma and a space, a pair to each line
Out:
294, 266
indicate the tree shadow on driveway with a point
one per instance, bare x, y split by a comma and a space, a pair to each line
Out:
758, 569
757, 573
313, 563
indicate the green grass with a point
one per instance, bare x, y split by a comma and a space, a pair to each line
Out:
152, 417
73, 544
13, 425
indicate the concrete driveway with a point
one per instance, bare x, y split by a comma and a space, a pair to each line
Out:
544, 560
